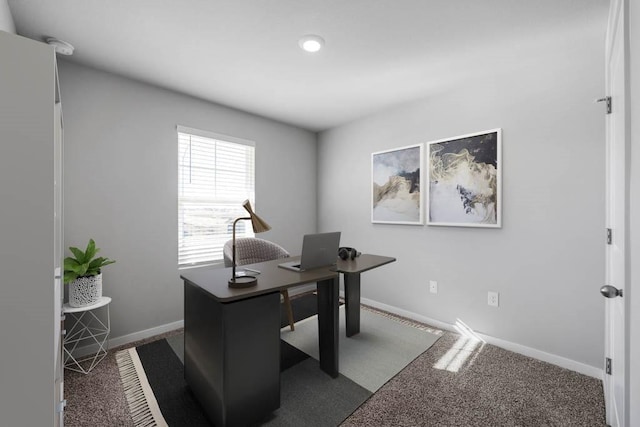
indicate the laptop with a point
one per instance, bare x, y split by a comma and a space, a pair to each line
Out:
318, 250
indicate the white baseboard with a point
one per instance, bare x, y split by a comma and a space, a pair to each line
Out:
127, 339
563, 362
147, 333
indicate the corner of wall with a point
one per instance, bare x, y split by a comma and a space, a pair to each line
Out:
6, 19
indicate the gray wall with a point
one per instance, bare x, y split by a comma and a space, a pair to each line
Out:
6, 20
121, 184
547, 261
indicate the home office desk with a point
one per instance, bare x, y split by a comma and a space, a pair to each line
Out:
351, 270
232, 336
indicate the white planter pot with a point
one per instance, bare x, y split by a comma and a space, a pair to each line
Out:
85, 291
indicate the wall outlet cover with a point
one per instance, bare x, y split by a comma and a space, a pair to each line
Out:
433, 286
493, 299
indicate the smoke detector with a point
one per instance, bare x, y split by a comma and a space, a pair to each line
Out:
62, 47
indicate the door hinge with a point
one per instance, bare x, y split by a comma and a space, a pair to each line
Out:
609, 236
60, 406
607, 366
606, 99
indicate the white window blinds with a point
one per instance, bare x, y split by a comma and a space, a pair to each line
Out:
215, 175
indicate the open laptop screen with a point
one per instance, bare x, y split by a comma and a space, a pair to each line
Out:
318, 250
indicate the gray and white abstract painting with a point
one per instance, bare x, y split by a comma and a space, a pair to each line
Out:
397, 186
465, 180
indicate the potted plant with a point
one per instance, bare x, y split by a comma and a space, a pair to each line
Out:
84, 275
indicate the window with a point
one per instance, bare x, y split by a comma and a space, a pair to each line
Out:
215, 175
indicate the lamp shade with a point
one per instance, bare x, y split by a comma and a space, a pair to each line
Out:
259, 225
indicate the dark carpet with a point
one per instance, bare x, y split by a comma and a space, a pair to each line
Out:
165, 374
459, 383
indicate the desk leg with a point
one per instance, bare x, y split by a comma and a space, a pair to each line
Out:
328, 291
352, 303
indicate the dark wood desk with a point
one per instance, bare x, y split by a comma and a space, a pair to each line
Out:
232, 336
351, 270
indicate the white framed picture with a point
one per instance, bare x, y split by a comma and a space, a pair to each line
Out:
396, 186
465, 180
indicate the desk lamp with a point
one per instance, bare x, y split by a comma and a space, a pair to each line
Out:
259, 226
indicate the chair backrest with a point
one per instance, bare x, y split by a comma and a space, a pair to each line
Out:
250, 250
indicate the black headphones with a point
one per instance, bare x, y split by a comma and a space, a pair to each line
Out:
348, 253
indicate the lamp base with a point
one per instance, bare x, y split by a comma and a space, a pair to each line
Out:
243, 282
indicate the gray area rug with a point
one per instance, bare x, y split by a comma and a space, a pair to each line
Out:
383, 347
153, 374
308, 396
159, 396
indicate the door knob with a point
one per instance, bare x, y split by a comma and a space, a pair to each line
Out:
610, 291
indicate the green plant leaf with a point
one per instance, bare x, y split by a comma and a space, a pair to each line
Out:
94, 266
78, 254
91, 251
69, 263
80, 269
96, 263
69, 276
84, 263
99, 262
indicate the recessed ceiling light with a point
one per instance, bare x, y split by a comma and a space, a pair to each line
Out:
311, 43
62, 47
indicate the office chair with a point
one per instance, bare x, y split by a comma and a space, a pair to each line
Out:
250, 250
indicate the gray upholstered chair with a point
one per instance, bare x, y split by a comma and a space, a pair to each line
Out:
250, 250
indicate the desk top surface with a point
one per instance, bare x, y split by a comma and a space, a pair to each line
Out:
362, 263
273, 278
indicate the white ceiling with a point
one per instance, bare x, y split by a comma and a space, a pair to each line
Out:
244, 53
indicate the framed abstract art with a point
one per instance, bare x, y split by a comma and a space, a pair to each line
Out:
465, 180
397, 183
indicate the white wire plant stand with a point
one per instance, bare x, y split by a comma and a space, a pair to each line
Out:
90, 331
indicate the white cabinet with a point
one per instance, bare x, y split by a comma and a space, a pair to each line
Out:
31, 235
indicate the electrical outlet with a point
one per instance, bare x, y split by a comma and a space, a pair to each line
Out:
493, 299
433, 286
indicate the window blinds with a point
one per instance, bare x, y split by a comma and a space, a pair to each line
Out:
215, 175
